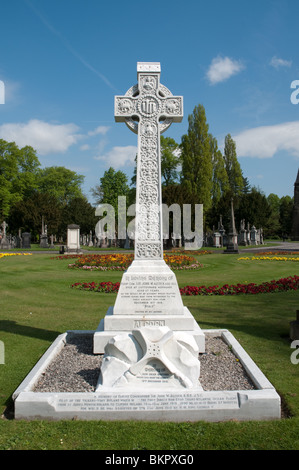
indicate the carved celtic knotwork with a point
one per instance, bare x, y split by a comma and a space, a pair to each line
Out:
149, 250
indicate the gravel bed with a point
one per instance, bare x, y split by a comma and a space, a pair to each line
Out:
220, 369
76, 368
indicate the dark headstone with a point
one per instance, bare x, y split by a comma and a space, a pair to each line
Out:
26, 240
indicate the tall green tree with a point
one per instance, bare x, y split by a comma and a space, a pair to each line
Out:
79, 211
170, 160
27, 214
233, 167
196, 158
274, 227
60, 182
112, 184
220, 177
254, 208
246, 186
285, 215
18, 174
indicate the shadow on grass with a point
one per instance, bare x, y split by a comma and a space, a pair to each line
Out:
15, 328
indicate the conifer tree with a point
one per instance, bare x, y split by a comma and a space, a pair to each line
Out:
196, 158
233, 167
220, 178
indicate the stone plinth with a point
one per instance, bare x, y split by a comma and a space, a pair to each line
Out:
148, 296
4, 244
44, 241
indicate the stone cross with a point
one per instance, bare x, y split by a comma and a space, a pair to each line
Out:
148, 109
4, 227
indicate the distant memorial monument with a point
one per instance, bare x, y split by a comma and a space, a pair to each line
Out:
232, 244
295, 222
4, 243
44, 235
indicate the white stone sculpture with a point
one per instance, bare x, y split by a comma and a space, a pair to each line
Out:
151, 357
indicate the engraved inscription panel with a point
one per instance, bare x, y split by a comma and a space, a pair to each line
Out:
148, 402
148, 294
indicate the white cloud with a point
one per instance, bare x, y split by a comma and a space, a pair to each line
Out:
277, 62
85, 147
44, 137
266, 141
118, 157
99, 130
222, 68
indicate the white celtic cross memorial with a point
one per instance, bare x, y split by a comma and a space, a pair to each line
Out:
148, 293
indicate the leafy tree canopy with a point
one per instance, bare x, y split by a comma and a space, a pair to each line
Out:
18, 172
112, 184
60, 182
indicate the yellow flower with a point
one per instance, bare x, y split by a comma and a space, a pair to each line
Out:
14, 254
269, 258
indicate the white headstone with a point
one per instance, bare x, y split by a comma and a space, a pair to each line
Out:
73, 238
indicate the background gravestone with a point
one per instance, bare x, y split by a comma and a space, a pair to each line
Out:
26, 240
73, 238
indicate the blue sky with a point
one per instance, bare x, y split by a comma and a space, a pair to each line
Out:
63, 61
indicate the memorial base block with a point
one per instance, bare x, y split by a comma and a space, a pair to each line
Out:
113, 325
176, 405
148, 296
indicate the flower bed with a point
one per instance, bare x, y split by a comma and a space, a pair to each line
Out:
106, 287
266, 253
2, 255
284, 284
103, 262
121, 261
181, 261
191, 252
267, 258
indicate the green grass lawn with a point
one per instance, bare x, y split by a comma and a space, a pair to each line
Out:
37, 304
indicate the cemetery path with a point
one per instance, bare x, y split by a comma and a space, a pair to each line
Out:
284, 246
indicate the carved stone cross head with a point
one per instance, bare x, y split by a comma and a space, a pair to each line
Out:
148, 100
